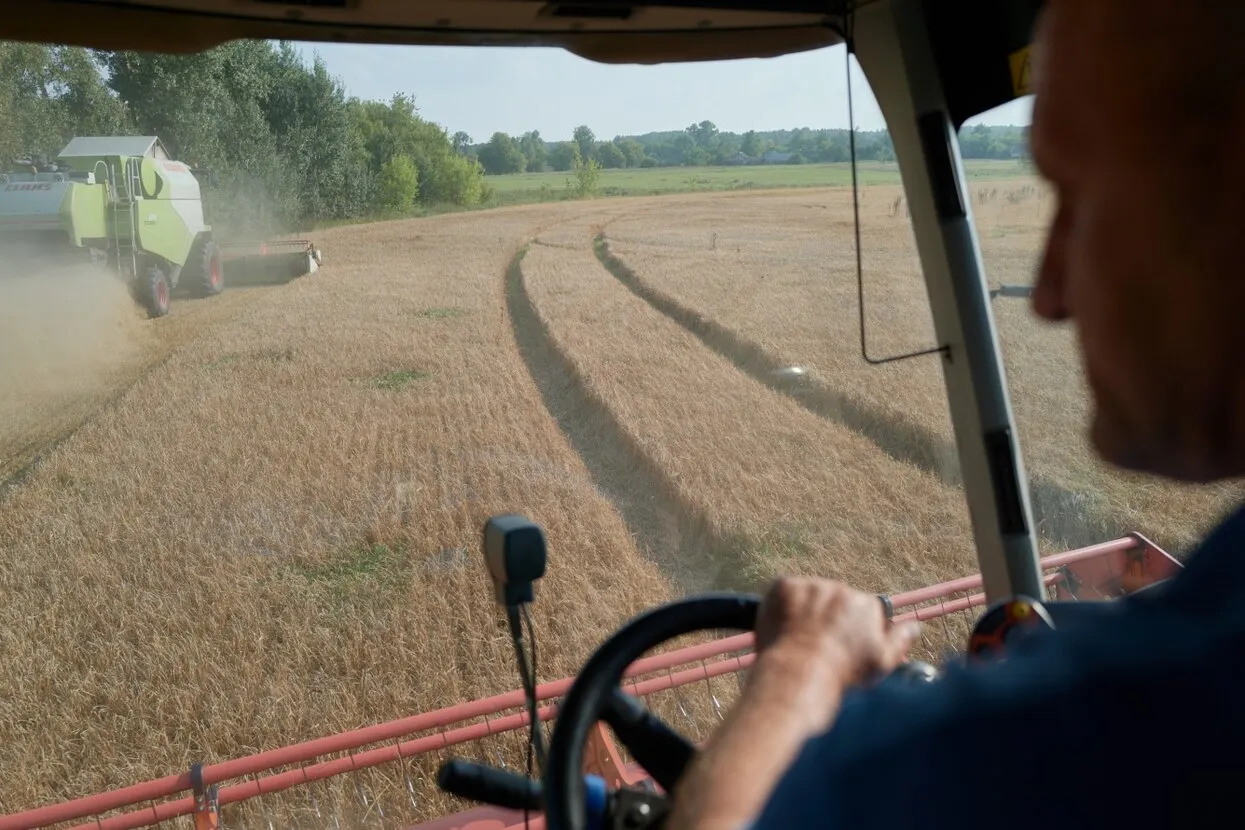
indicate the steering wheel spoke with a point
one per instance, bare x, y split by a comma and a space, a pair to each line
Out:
597, 695
661, 750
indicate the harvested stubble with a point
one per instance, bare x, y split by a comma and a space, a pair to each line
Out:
778, 271
767, 486
257, 545
276, 535
70, 341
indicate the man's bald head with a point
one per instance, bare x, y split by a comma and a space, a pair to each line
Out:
1139, 124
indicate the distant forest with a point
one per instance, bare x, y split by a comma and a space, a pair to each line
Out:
285, 144
288, 147
703, 144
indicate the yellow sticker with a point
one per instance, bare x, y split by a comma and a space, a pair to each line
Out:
1020, 72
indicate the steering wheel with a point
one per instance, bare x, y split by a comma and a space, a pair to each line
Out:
595, 692
664, 753
596, 695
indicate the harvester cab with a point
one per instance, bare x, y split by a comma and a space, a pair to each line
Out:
931, 66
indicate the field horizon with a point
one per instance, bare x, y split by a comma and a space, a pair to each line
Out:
517, 189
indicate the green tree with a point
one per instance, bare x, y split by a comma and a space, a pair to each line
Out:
586, 140
587, 176
632, 149
728, 147
457, 180
398, 184
753, 145
319, 146
29, 123
610, 156
445, 175
564, 155
682, 145
48, 94
462, 143
696, 157
802, 141
502, 155
886, 148
832, 147
534, 151
669, 153
207, 106
704, 135
215, 108
285, 142
87, 106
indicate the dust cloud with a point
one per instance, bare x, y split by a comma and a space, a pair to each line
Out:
67, 336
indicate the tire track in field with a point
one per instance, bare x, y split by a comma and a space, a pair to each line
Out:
675, 540
1065, 517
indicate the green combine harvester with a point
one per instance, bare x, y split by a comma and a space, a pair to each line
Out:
121, 202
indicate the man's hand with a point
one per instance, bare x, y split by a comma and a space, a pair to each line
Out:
837, 632
815, 639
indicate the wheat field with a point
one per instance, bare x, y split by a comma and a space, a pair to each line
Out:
760, 485
777, 275
259, 522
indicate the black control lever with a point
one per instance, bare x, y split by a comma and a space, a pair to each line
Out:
662, 752
515, 553
489, 785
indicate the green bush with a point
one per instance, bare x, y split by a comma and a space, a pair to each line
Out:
455, 180
398, 185
587, 177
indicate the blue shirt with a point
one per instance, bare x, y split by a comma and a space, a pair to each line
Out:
1132, 716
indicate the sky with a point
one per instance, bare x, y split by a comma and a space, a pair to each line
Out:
482, 90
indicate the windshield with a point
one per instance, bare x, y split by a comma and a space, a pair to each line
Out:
1077, 499
276, 344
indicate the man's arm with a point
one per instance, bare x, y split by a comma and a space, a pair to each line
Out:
1131, 720
814, 640
1131, 716
731, 780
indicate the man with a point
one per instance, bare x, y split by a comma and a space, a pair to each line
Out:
1138, 717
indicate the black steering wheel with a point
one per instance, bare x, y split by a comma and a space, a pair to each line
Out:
596, 695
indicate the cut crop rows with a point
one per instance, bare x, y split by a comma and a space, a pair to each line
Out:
772, 281
276, 536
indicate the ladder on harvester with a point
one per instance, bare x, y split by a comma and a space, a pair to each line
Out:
123, 201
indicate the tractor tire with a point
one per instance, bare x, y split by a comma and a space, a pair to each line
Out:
153, 291
204, 272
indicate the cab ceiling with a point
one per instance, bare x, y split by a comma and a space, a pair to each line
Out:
611, 32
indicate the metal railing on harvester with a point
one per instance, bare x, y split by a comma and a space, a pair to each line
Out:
1105, 571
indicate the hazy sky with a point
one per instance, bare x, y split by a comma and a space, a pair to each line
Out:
485, 89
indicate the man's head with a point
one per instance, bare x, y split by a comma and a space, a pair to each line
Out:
1139, 124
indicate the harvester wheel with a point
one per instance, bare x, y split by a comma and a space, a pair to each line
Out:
205, 270
153, 292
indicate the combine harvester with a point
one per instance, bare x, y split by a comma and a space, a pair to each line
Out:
931, 66
122, 203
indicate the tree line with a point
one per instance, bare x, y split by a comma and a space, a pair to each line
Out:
284, 144
703, 144
287, 147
